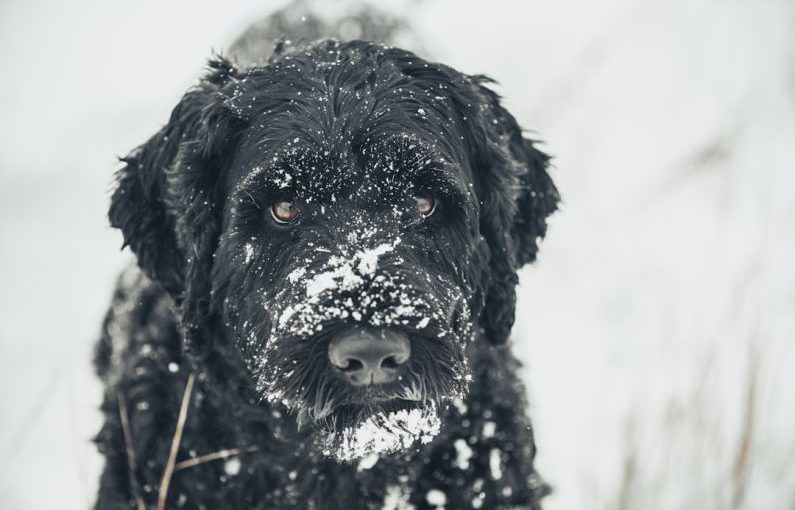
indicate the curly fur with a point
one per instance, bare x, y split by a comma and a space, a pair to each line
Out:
214, 283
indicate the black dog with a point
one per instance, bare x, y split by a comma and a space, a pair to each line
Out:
329, 245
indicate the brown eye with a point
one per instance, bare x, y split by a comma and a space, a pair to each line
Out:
426, 203
284, 211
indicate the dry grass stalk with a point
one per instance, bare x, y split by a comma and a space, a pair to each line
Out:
175, 441
629, 472
221, 454
741, 468
128, 446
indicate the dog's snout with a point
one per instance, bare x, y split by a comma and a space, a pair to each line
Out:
365, 356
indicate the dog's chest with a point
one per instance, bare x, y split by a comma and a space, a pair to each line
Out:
467, 466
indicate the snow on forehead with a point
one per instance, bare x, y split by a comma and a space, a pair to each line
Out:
314, 165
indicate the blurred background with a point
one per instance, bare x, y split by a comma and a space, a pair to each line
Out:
657, 328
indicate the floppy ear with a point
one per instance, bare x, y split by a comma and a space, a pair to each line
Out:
517, 195
164, 202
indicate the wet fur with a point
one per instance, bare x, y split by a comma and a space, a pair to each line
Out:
184, 311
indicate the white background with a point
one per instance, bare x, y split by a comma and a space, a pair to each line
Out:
657, 328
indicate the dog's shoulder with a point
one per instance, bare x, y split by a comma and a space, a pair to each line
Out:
139, 324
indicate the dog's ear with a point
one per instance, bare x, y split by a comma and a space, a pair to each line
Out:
516, 195
164, 202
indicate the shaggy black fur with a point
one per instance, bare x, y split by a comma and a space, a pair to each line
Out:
350, 132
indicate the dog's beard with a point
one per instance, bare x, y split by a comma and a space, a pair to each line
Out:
385, 431
352, 423
375, 420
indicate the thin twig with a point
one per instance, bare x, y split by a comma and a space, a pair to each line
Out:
221, 454
740, 470
128, 445
175, 441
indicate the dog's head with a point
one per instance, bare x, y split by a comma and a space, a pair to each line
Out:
343, 222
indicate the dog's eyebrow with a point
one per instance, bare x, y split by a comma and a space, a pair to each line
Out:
443, 174
415, 161
252, 180
430, 168
419, 157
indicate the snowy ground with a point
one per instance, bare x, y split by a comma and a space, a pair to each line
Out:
657, 329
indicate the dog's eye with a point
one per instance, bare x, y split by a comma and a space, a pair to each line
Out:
284, 211
426, 203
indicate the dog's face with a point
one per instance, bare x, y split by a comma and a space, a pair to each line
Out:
349, 218
349, 262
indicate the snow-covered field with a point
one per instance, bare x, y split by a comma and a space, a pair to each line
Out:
658, 328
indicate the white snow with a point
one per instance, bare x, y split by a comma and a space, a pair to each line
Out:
283, 179
386, 433
286, 315
463, 454
436, 498
249, 252
367, 462
341, 277
352, 268
368, 259
344, 272
495, 463
397, 497
296, 274
232, 466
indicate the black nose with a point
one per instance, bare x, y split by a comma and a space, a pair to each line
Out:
365, 356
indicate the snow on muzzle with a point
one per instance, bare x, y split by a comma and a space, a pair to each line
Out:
371, 287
